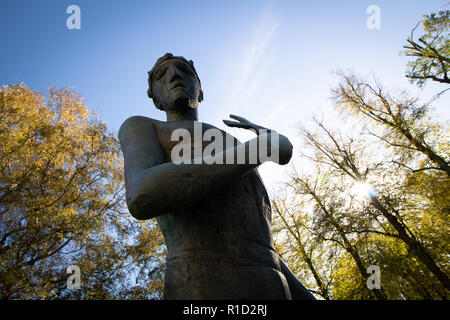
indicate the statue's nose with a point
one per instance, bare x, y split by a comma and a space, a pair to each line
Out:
175, 75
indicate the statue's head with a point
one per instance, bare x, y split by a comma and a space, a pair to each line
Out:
173, 84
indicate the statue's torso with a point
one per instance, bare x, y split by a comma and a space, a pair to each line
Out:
221, 247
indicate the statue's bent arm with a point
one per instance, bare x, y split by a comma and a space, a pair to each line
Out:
154, 187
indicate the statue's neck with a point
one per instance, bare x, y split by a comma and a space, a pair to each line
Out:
181, 115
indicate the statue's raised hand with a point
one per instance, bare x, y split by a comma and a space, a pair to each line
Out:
245, 124
284, 145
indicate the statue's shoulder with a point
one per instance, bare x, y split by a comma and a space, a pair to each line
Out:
135, 121
137, 127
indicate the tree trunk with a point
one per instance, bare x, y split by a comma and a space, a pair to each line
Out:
415, 247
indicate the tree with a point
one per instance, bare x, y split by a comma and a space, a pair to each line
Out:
413, 135
294, 245
379, 193
362, 208
61, 204
431, 50
397, 155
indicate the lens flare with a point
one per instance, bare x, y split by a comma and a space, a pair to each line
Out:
363, 189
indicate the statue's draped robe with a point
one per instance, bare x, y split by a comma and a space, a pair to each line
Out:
222, 247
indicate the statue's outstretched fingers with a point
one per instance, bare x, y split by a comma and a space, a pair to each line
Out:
241, 119
231, 123
238, 124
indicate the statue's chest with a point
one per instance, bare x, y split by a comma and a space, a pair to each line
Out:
193, 140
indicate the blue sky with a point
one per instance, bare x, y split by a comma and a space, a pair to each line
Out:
268, 61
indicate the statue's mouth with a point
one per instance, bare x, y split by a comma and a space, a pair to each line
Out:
178, 85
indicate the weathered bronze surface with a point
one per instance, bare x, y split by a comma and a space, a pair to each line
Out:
215, 218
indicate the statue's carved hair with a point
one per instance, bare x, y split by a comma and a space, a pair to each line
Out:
165, 57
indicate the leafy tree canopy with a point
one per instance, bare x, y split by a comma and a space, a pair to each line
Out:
61, 204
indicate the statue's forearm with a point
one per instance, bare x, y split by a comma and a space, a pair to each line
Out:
165, 187
298, 291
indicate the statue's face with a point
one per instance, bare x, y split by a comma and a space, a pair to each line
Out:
175, 86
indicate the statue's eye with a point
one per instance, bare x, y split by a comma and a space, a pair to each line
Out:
159, 73
185, 69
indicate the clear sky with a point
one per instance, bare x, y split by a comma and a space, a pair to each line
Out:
268, 61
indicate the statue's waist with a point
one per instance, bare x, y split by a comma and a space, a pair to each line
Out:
239, 257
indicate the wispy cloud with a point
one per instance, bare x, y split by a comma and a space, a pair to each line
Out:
250, 69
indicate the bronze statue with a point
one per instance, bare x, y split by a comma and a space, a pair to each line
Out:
216, 217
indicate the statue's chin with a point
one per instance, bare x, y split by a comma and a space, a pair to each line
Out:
184, 103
